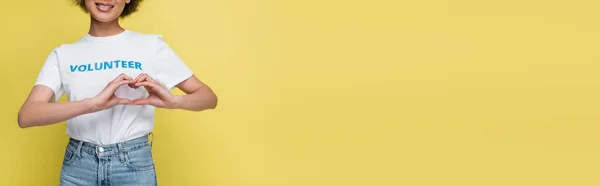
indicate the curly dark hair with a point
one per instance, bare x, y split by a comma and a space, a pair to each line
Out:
128, 10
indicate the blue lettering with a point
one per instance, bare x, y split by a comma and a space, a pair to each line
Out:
98, 66
73, 68
107, 65
138, 65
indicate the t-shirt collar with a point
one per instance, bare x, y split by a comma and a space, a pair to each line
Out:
106, 38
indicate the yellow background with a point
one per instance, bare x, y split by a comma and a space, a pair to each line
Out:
348, 93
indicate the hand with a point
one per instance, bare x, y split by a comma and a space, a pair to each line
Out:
158, 95
106, 98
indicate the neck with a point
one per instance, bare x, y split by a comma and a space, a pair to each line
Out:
103, 29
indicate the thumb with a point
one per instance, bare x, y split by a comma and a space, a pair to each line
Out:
123, 101
114, 100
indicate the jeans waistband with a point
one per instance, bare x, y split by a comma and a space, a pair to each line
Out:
79, 146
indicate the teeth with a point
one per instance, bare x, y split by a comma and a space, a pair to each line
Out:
104, 6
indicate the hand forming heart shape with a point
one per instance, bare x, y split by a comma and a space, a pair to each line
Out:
158, 95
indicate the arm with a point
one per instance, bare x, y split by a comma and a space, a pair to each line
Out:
38, 111
198, 95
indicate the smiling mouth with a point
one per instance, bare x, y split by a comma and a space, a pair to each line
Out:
104, 7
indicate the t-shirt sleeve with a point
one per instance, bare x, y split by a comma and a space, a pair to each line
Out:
50, 76
170, 69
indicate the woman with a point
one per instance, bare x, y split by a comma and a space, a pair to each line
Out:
114, 79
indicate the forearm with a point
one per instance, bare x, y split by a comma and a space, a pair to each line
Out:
202, 99
42, 113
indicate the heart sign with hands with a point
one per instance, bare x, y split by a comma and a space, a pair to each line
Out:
106, 98
158, 96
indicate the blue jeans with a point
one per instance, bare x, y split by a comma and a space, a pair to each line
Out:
126, 163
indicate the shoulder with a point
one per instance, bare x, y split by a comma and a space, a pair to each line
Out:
65, 48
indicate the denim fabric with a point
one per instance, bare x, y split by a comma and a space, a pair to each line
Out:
121, 164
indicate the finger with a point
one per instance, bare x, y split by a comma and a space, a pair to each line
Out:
112, 102
144, 78
120, 80
112, 87
157, 90
154, 101
142, 101
122, 77
119, 100
153, 87
132, 85
124, 101
150, 87
139, 76
148, 84
116, 85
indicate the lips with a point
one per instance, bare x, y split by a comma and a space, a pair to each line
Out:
103, 7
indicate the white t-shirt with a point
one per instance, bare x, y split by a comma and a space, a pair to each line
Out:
82, 69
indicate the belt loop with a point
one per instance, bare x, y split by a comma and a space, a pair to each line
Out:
152, 138
78, 151
121, 153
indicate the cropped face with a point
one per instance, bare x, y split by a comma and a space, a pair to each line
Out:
105, 10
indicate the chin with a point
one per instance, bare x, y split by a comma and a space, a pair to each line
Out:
105, 19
